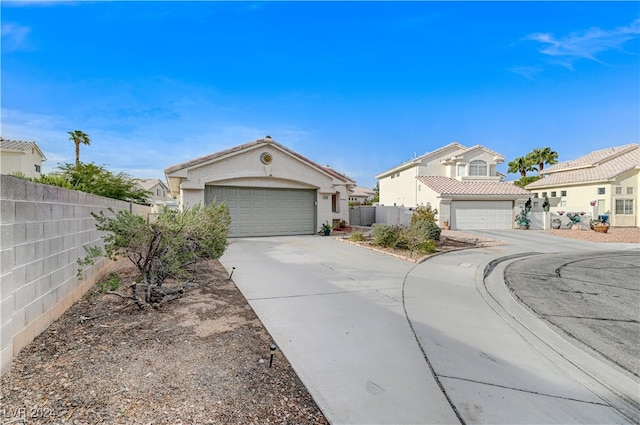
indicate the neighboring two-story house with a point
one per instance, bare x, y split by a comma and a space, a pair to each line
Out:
461, 182
159, 194
21, 157
603, 182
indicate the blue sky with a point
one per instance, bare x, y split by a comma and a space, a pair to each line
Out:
361, 86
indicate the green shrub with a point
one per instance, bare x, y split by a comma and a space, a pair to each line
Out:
357, 236
418, 237
423, 213
430, 229
385, 235
167, 248
110, 282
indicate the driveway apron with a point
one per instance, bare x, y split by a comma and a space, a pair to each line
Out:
368, 357
335, 310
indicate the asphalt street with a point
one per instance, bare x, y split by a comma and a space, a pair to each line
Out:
593, 299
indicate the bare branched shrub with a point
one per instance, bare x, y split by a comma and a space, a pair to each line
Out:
166, 248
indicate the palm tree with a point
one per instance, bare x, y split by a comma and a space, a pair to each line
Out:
543, 156
521, 165
78, 137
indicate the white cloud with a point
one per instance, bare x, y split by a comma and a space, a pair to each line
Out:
528, 72
587, 45
14, 36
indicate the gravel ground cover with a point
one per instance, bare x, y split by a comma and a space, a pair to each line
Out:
614, 235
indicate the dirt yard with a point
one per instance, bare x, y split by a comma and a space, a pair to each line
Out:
202, 359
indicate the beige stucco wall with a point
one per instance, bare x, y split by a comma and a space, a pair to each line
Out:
399, 190
286, 171
13, 161
578, 198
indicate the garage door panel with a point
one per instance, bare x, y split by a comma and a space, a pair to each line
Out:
482, 214
267, 211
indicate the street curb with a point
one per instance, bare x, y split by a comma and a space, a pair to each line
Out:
587, 368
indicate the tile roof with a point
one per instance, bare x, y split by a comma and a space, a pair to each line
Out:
418, 159
362, 191
149, 183
19, 145
239, 148
465, 150
600, 165
460, 150
449, 186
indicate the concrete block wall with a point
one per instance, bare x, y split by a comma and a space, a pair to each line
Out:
43, 230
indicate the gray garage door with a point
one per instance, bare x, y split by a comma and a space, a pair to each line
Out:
482, 215
257, 211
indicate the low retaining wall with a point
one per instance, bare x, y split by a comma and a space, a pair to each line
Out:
43, 230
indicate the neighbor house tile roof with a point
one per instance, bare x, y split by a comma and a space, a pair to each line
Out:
265, 140
449, 186
362, 191
147, 184
419, 159
463, 151
600, 165
460, 150
19, 145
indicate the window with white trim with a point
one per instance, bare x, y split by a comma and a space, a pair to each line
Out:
553, 194
601, 191
563, 193
618, 190
477, 168
624, 206
630, 191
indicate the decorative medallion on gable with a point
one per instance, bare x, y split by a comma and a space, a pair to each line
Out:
266, 158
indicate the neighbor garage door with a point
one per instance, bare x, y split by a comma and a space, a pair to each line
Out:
482, 215
266, 211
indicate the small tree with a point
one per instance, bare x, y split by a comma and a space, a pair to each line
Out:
167, 248
526, 180
376, 196
96, 179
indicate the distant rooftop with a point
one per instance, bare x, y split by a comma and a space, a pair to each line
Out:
19, 145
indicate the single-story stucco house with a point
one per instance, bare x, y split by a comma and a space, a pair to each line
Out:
360, 195
270, 189
461, 182
603, 182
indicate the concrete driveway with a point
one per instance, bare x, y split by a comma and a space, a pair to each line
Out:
379, 340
